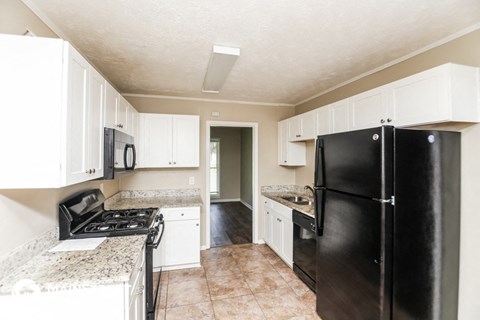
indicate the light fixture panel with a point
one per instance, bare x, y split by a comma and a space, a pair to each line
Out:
219, 66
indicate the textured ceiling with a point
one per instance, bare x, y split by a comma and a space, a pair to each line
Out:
290, 50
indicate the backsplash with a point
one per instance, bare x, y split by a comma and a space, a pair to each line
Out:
283, 188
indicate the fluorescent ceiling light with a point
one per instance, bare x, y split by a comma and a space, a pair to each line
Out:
221, 62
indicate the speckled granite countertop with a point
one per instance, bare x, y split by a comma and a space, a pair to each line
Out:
154, 199
111, 262
276, 192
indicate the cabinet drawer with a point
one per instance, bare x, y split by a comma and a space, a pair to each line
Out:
282, 210
184, 213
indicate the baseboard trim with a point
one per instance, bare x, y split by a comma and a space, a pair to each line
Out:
246, 204
224, 200
204, 248
260, 241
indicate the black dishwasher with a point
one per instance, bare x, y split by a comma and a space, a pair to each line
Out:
304, 248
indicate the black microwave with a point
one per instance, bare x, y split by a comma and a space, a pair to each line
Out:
119, 154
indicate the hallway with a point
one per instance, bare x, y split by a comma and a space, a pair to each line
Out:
231, 223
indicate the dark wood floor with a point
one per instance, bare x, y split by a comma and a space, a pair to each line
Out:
230, 223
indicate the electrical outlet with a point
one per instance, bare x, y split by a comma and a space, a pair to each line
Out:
191, 181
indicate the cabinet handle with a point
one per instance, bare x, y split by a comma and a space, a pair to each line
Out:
182, 214
197, 224
285, 161
389, 120
298, 135
169, 163
268, 212
382, 121
93, 170
279, 220
174, 162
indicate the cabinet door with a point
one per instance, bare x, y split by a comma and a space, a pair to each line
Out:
294, 128
111, 105
182, 242
369, 109
289, 153
156, 141
132, 122
277, 236
267, 226
186, 140
287, 240
121, 118
95, 124
282, 142
77, 113
422, 98
308, 125
323, 121
339, 114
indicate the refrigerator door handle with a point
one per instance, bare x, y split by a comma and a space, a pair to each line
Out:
319, 202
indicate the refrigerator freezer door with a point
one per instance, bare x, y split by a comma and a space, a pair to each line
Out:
356, 162
426, 224
350, 258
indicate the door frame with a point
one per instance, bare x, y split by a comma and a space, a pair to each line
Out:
255, 187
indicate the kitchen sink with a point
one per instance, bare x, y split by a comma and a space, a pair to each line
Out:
298, 200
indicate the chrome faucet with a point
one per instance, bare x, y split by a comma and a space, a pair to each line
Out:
307, 187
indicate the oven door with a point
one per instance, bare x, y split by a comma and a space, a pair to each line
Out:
152, 279
304, 248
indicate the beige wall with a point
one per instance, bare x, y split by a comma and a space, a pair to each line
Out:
266, 117
26, 214
464, 50
16, 18
230, 153
246, 166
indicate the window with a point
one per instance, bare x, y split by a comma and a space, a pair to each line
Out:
215, 168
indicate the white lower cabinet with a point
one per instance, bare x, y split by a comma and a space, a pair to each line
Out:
278, 232
116, 301
180, 245
136, 302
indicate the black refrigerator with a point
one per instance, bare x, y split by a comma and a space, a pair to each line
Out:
387, 209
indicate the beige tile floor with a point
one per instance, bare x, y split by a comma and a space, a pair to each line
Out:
236, 282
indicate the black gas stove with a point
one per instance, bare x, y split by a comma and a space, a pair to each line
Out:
83, 216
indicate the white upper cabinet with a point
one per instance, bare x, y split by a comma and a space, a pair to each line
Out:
445, 93
323, 121
169, 141
119, 113
449, 92
302, 127
112, 100
58, 99
369, 109
289, 153
95, 122
340, 116
185, 144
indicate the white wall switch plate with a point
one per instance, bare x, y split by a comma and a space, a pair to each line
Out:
191, 181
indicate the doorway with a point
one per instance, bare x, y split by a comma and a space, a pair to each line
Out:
231, 183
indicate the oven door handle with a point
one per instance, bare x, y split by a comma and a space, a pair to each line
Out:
157, 242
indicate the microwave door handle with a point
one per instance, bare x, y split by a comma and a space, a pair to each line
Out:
125, 153
134, 154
